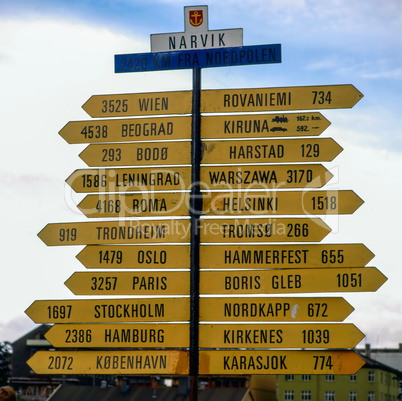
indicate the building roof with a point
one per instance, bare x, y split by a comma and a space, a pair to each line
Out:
373, 364
88, 393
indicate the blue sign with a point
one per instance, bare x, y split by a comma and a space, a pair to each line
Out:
188, 59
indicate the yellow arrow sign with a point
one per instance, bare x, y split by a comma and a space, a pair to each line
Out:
212, 127
273, 99
212, 177
263, 126
283, 309
279, 362
128, 283
137, 154
263, 230
120, 335
133, 130
272, 151
110, 310
279, 335
144, 204
116, 232
130, 179
264, 176
356, 279
139, 104
226, 256
135, 256
110, 362
281, 202
283, 256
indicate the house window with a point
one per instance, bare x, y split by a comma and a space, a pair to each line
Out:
353, 396
289, 395
289, 378
306, 378
329, 396
306, 395
353, 378
371, 376
371, 396
329, 378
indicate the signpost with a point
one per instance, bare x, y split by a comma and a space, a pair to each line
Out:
280, 309
212, 127
272, 151
111, 310
279, 362
291, 281
281, 202
135, 256
276, 256
130, 179
110, 362
196, 34
273, 99
258, 188
144, 335
137, 154
135, 205
138, 104
127, 283
273, 176
263, 230
241, 126
228, 256
192, 59
133, 130
115, 232
295, 335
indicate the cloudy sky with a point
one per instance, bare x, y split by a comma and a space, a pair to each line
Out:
55, 54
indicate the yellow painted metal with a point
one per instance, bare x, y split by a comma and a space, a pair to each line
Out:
133, 130
230, 256
130, 179
137, 154
144, 204
295, 335
110, 310
274, 309
116, 232
144, 335
281, 203
129, 283
110, 362
139, 104
135, 256
269, 151
274, 99
290, 281
274, 176
279, 362
262, 125
263, 230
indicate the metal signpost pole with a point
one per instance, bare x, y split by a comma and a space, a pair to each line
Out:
195, 211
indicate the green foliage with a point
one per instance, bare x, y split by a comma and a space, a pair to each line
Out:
5, 362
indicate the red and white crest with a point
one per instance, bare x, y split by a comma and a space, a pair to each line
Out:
196, 17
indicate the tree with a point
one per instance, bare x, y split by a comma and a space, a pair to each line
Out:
5, 362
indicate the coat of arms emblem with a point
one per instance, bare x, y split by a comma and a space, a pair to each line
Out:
196, 17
